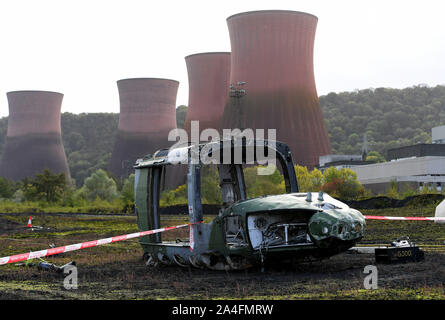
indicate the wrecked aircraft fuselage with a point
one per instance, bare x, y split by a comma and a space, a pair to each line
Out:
246, 232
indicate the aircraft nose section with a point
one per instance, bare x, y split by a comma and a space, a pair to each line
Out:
340, 225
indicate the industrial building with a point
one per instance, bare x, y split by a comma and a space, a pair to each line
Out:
409, 173
411, 167
33, 141
208, 75
416, 150
147, 115
341, 161
272, 83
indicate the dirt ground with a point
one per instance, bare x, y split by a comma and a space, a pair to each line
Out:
116, 271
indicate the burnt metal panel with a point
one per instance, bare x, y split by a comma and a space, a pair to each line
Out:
272, 53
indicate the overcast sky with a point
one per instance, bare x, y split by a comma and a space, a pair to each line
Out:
81, 48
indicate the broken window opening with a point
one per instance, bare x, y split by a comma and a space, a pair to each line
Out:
234, 232
278, 229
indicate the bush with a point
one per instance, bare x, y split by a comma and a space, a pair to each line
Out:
100, 185
342, 184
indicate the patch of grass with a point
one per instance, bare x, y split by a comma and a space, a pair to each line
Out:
97, 207
421, 232
116, 271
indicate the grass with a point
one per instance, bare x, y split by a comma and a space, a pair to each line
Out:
30, 207
116, 271
421, 232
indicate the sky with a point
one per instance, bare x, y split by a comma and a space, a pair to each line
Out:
81, 48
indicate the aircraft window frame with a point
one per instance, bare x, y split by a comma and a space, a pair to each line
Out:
238, 236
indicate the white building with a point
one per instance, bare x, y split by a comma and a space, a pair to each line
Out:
410, 167
438, 134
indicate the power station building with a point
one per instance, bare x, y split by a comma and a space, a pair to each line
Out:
272, 83
209, 75
33, 141
409, 167
147, 115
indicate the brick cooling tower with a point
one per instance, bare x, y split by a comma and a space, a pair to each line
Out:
208, 75
34, 141
147, 114
272, 52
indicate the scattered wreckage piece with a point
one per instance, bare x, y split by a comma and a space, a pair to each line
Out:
401, 251
46, 266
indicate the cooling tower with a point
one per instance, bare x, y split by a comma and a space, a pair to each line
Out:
272, 52
208, 75
147, 114
34, 141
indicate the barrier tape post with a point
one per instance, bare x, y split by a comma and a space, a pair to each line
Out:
83, 245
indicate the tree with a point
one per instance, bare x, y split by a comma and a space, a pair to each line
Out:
308, 181
375, 156
261, 185
342, 183
391, 118
181, 114
317, 179
127, 192
303, 178
7, 188
100, 185
210, 189
45, 186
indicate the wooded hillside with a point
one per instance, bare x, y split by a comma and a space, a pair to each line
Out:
390, 118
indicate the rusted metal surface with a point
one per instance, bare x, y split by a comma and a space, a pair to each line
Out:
208, 75
34, 140
272, 52
147, 114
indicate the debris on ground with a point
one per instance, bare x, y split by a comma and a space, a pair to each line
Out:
44, 265
402, 250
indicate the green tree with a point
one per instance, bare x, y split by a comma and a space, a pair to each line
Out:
7, 188
342, 183
100, 185
375, 156
308, 181
317, 179
261, 185
127, 193
303, 178
174, 197
45, 186
181, 114
210, 189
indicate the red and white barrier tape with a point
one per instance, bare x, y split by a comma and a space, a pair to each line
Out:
405, 218
83, 245
89, 244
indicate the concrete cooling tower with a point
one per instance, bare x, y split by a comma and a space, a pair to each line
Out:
147, 114
272, 61
208, 75
34, 141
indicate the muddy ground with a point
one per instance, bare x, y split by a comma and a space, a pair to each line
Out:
116, 271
